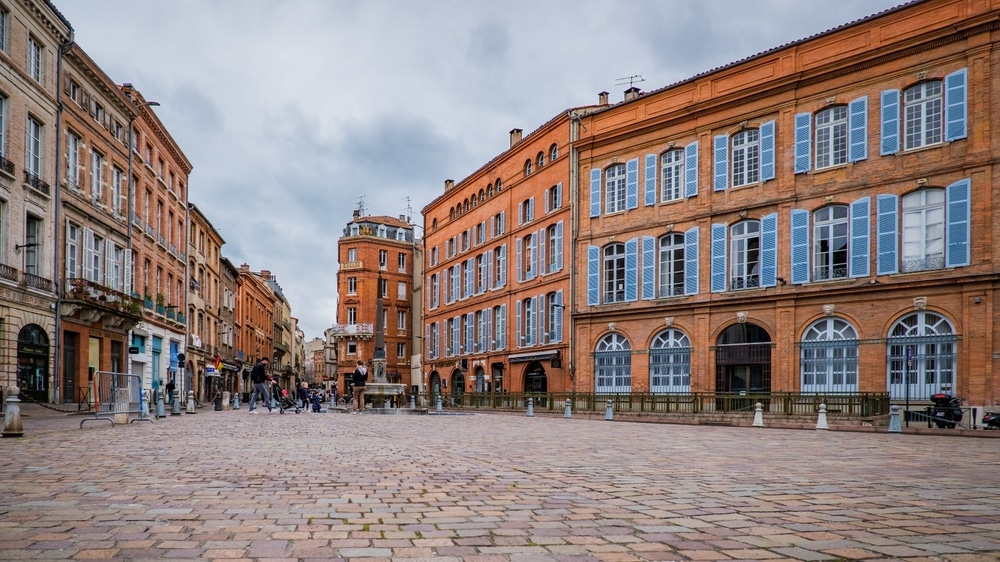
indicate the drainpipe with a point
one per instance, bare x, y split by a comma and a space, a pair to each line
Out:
574, 189
57, 347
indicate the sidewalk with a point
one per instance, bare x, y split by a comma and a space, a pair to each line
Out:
228, 485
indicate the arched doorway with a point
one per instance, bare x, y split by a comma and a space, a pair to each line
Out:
33, 362
743, 362
920, 358
457, 383
434, 384
534, 378
480, 379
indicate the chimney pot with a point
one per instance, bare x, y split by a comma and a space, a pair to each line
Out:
448, 184
515, 136
357, 213
631, 93
602, 98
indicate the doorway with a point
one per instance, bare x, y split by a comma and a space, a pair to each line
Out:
743, 366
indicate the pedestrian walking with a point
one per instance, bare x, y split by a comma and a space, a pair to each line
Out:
170, 392
358, 379
304, 395
258, 376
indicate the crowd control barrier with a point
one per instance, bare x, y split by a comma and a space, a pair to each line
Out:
117, 396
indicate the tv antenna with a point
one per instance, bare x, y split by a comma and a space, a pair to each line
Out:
630, 80
361, 205
409, 210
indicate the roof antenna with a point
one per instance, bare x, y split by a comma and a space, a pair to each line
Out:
630, 80
361, 205
409, 210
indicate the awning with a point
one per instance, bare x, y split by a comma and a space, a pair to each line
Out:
536, 356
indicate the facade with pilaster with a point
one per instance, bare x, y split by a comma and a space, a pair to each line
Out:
254, 322
204, 301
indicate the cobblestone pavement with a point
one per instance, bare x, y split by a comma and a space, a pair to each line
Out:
229, 485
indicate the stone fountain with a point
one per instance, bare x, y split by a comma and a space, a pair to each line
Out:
379, 390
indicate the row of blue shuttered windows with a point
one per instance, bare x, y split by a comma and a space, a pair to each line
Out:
928, 113
924, 230
539, 320
474, 332
540, 252
473, 276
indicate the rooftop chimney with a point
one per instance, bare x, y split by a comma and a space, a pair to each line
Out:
515, 137
402, 218
266, 274
631, 93
448, 184
602, 98
357, 213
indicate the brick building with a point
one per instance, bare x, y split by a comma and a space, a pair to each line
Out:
254, 322
204, 301
497, 270
376, 259
819, 217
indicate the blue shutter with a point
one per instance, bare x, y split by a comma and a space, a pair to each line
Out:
518, 250
648, 267
595, 192
857, 130
958, 231
650, 195
540, 310
559, 195
954, 105
517, 324
800, 246
559, 311
887, 241
691, 169
470, 333
470, 278
859, 237
430, 301
890, 122
632, 270
502, 327
427, 342
503, 265
691, 261
488, 318
769, 250
558, 246
803, 142
721, 163
632, 183
718, 258
538, 245
767, 151
593, 275
531, 208
491, 280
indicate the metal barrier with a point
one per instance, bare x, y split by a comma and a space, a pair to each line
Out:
117, 396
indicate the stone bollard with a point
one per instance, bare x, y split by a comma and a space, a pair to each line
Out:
609, 411
190, 402
225, 400
437, 408
144, 405
567, 413
160, 410
894, 425
531, 407
12, 414
821, 422
413, 402
175, 410
758, 415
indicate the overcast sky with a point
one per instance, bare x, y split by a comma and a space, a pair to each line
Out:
290, 110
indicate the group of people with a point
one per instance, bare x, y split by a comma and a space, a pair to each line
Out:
262, 382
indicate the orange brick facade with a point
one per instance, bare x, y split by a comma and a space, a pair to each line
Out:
829, 225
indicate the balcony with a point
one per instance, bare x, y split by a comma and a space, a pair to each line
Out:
358, 264
36, 282
6, 166
362, 331
36, 183
90, 302
7, 272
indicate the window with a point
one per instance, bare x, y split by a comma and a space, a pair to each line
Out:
613, 364
554, 316
4, 18
746, 157
498, 226
401, 320
500, 266
614, 273
435, 290
527, 257
499, 185
670, 362
923, 230
95, 260
32, 250
830, 246
401, 290
4, 164
923, 115
352, 348
671, 278
352, 285
96, 176
745, 255
829, 352
434, 256
118, 262
526, 211
401, 262
921, 356
831, 136
480, 233
400, 349
383, 259
553, 153
499, 332
73, 161
117, 179
33, 156
72, 251
614, 189
35, 69
383, 288
352, 254
553, 248
526, 322
352, 315
527, 167
540, 160
465, 241
672, 174
553, 198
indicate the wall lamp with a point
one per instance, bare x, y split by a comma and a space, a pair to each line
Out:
781, 280
17, 247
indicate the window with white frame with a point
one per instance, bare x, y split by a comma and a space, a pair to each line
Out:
401, 290
96, 258
614, 273
746, 157
745, 255
498, 224
671, 281
672, 175
831, 136
613, 364
829, 357
923, 114
540, 160
72, 251
4, 18
553, 250
401, 320
830, 247
352, 315
33, 246
3, 128
554, 317
553, 153
465, 241
352, 347
527, 167
383, 259
614, 189
352, 254
33, 152
117, 183
73, 160
35, 56
670, 362
923, 230
383, 288
117, 264
527, 322
400, 349
434, 256
553, 198
352, 285
921, 356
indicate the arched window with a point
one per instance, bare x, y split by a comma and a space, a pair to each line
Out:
613, 364
746, 157
539, 161
614, 273
829, 352
482, 195
830, 242
671, 265
465, 205
670, 362
553, 153
499, 185
527, 167
744, 256
434, 224
831, 136
920, 356
923, 230
614, 189
489, 190
452, 214
923, 114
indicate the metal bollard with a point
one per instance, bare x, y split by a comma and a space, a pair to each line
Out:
758, 415
160, 410
567, 413
413, 402
190, 402
438, 407
531, 407
236, 400
609, 411
894, 425
176, 409
12, 426
821, 422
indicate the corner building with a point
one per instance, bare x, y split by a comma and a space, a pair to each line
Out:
819, 217
497, 271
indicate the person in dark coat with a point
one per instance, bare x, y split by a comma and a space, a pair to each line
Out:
258, 376
358, 379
